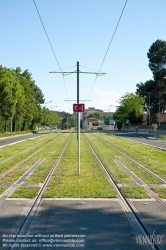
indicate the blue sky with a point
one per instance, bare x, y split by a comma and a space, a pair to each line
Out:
81, 31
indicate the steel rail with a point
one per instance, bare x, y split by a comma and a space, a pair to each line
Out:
140, 182
18, 164
137, 163
159, 163
34, 206
20, 152
18, 183
126, 205
144, 143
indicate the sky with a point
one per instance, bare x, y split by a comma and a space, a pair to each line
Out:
81, 31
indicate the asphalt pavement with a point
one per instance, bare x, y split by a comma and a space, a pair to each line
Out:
142, 137
4, 141
91, 224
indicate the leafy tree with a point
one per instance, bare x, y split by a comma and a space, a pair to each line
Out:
29, 110
131, 107
9, 91
96, 115
72, 121
95, 123
157, 59
154, 91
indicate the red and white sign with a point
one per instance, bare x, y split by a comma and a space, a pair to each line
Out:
154, 125
78, 107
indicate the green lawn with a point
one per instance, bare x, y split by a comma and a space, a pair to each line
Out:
92, 181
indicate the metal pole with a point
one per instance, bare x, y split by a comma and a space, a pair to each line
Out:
159, 110
15, 121
149, 112
78, 82
78, 120
78, 143
11, 123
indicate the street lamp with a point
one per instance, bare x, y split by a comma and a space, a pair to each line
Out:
45, 108
11, 123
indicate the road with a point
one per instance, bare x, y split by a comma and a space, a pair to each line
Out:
14, 139
142, 137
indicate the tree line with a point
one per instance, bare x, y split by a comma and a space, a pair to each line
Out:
150, 96
20, 102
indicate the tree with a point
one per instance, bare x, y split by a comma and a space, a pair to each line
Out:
9, 92
96, 115
131, 107
157, 59
72, 121
95, 123
154, 91
28, 110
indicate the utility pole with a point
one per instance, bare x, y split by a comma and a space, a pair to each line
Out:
149, 112
78, 120
11, 121
159, 111
78, 114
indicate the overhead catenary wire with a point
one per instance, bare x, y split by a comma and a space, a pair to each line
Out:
108, 46
50, 44
88, 68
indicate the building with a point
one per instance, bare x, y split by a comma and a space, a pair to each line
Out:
159, 119
88, 123
92, 110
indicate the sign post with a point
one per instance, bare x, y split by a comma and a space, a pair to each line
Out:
154, 126
77, 108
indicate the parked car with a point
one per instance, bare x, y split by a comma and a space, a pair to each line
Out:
99, 128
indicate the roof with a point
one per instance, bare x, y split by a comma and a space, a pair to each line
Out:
93, 109
162, 117
91, 119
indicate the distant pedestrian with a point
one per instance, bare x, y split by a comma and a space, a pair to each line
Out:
136, 129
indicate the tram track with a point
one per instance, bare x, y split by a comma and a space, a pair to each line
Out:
141, 153
31, 210
13, 186
22, 151
133, 160
128, 207
24, 160
141, 183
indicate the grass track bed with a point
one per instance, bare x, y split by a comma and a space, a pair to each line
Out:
140, 153
146, 150
50, 153
92, 181
147, 178
24, 192
160, 191
108, 155
20, 146
134, 192
2, 190
7, 165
